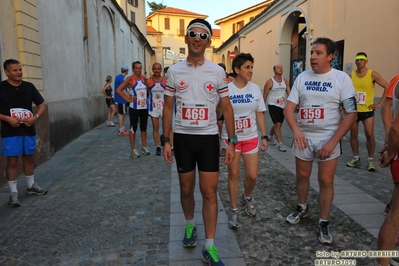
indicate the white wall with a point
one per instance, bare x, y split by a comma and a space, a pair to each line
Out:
74, 68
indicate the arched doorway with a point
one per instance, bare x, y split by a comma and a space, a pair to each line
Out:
107, 44
293, 44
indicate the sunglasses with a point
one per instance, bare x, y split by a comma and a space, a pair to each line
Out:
193, 34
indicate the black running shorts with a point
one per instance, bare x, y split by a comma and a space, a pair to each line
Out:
276, 113
364, 115
196, 150
123, 108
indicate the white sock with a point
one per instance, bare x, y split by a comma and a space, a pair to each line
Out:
120, 129
209, 242
190, 221
322, 220
356, 157
371, 159
304, 206
235, 209
30, 179
13, 186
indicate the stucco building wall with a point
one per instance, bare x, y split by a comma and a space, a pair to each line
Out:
66, 49
363, 25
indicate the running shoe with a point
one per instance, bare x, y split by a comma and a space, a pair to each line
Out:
354, 163
371, 166
111, 124
36, 190
324, 234
297, 214
145, 151
158, 151
124, 133
249, 206
14, 201
134, 153
234, 222
211, 256
387, 208
190, 236
270, 140
281, 147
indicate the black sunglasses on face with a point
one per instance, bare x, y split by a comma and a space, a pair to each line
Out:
203, 36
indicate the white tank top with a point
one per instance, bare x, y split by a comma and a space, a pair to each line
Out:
277, 94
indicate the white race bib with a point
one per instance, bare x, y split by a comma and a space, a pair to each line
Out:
20, 113
311, 113
360, 97
157, 101
194, 114
242, 124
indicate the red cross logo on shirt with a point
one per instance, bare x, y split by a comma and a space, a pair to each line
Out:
209, 87
182, 85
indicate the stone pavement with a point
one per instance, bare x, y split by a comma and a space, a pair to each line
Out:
105, 208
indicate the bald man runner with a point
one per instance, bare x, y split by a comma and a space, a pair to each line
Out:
275, 94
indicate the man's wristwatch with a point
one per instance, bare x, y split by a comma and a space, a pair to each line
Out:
233, 140
263, 137
37, 116
164, 139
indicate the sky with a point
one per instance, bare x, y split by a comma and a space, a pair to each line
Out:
214, 9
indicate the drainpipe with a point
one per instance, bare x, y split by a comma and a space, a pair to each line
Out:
144, 58
86, 29
239, 41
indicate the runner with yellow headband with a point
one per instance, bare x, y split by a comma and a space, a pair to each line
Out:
361, 57
364, 80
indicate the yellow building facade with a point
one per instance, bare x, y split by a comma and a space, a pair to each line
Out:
166, 29
283, 32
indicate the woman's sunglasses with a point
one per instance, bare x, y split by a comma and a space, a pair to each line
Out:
203, 36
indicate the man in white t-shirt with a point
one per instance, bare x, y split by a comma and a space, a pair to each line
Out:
275, 94
318, 129
196, 83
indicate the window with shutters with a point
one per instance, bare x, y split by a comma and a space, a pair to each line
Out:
240, 25
167, 24
181, 29
134, 3
133, 17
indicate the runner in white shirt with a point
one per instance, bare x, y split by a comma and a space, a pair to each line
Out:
196, 83
156, 86
138, 110
249, 107
275, 94
319, 128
